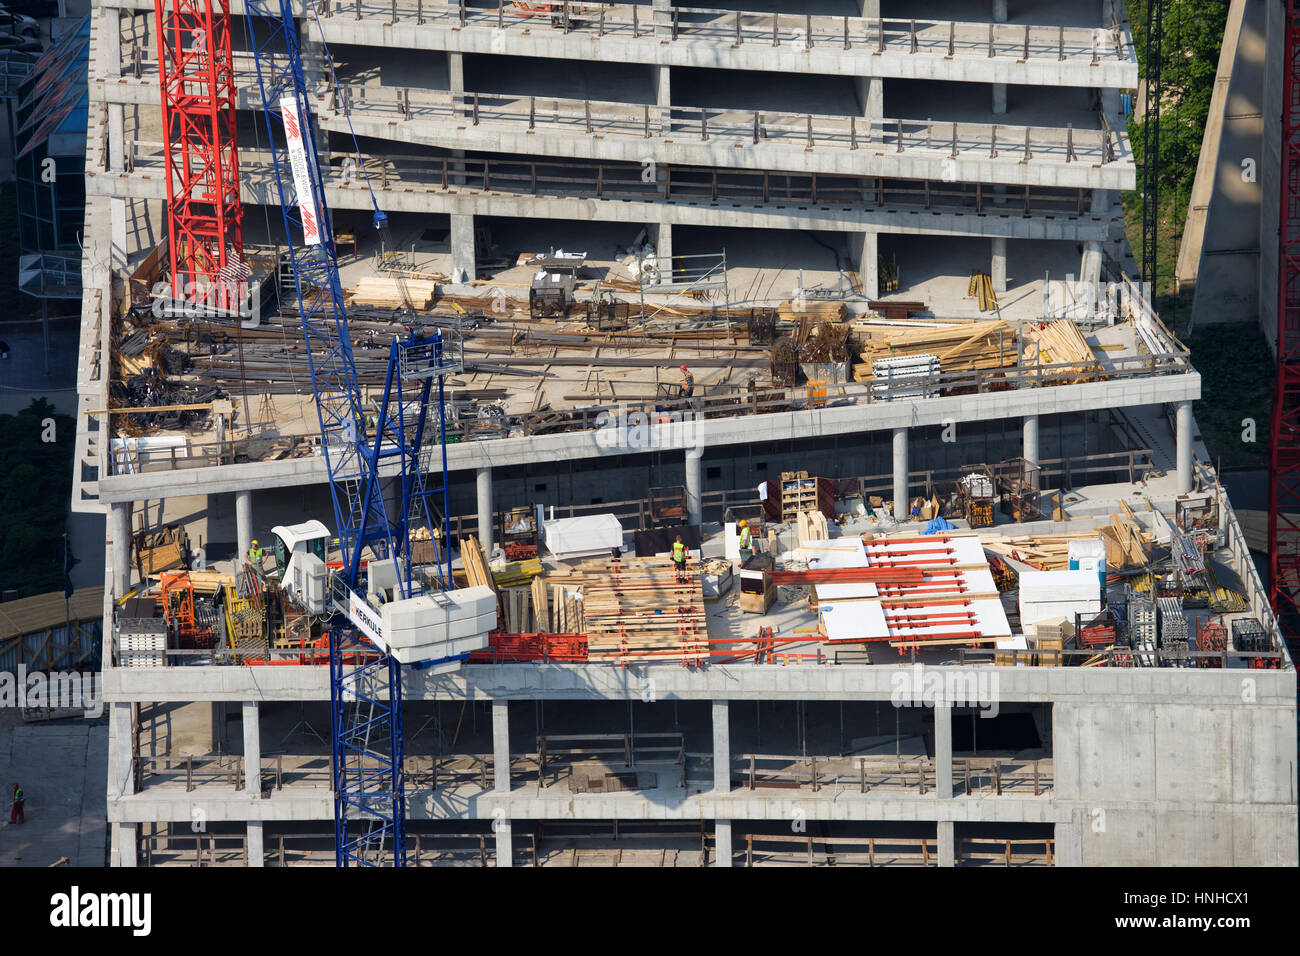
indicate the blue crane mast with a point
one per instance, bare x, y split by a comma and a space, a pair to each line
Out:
377, 461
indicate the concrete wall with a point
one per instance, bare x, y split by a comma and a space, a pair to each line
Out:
1270, 169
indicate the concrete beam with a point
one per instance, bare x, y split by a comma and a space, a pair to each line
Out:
486, 512
721, 746
900, 474
1183, 451
501, 746
251, 718
715, 433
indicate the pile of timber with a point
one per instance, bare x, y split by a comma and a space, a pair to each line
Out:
812, 309
517, 573
811, 526
1127, 546
1061, 343
981, 288
632, 609
1050, 552
394, 292
476, 567
959, 348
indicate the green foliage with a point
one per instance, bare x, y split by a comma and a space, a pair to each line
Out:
36, 484
1236, 369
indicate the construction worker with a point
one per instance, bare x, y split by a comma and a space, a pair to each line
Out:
688, 382
16, 814
680, 554
255, 555
746, 541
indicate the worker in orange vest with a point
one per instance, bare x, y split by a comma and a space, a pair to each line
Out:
688, 382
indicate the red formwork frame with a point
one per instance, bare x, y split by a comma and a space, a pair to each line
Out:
204, 215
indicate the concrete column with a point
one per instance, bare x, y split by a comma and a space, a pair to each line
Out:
869, 264
122, 851
1069, 843
943, 750
456, 74
947, 839
999, 11
1090, 265
694, 486
501, 746
119, 530
722, 746
870, 8
900, 474
1030, 452
663, 18
256, 854
1184, 447
243, 523
464, 267
661, 235
117, 223
998, 265
664, 96
485, 511
252, 749
722, 843
116, 136
999, 97
121, 751
505, 847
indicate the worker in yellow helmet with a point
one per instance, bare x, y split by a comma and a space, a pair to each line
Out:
255, 555
680, 553
746, 541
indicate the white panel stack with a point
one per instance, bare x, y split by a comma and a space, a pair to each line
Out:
141, 642
585, 537
435, 627
1045, 594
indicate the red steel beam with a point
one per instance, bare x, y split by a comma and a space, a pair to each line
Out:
204, 214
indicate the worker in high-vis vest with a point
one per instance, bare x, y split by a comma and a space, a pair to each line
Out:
255, 555
688, 382
680, 554
746, 541
16, 815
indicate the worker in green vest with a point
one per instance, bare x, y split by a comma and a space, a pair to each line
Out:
746, 541
680, 554
255, 555
16, 815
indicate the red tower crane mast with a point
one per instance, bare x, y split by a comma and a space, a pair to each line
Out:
1284, 423
204, 215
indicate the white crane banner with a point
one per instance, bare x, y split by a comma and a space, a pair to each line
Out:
298, 162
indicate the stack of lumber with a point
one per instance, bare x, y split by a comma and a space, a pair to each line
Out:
812, 308
517, 573
812, 526
631, 609
1127, 546
517, 617
981, 287
1062, 344
1046, 552
209, 582
394, 293
477, 571
960, 348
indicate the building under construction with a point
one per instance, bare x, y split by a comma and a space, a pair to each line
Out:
840, 299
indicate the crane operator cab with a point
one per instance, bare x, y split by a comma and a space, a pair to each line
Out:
299, 552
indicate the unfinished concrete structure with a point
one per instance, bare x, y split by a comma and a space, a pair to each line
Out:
940, 147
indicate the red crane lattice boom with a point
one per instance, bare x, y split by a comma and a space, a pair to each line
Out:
1284, 425
204, 215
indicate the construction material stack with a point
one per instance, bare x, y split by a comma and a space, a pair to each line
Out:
801, 491
977, 495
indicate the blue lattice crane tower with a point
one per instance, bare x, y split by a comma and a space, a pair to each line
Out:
381, 464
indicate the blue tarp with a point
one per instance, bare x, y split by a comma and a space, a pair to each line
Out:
939, 524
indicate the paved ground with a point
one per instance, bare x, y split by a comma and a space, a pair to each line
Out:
63, 768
